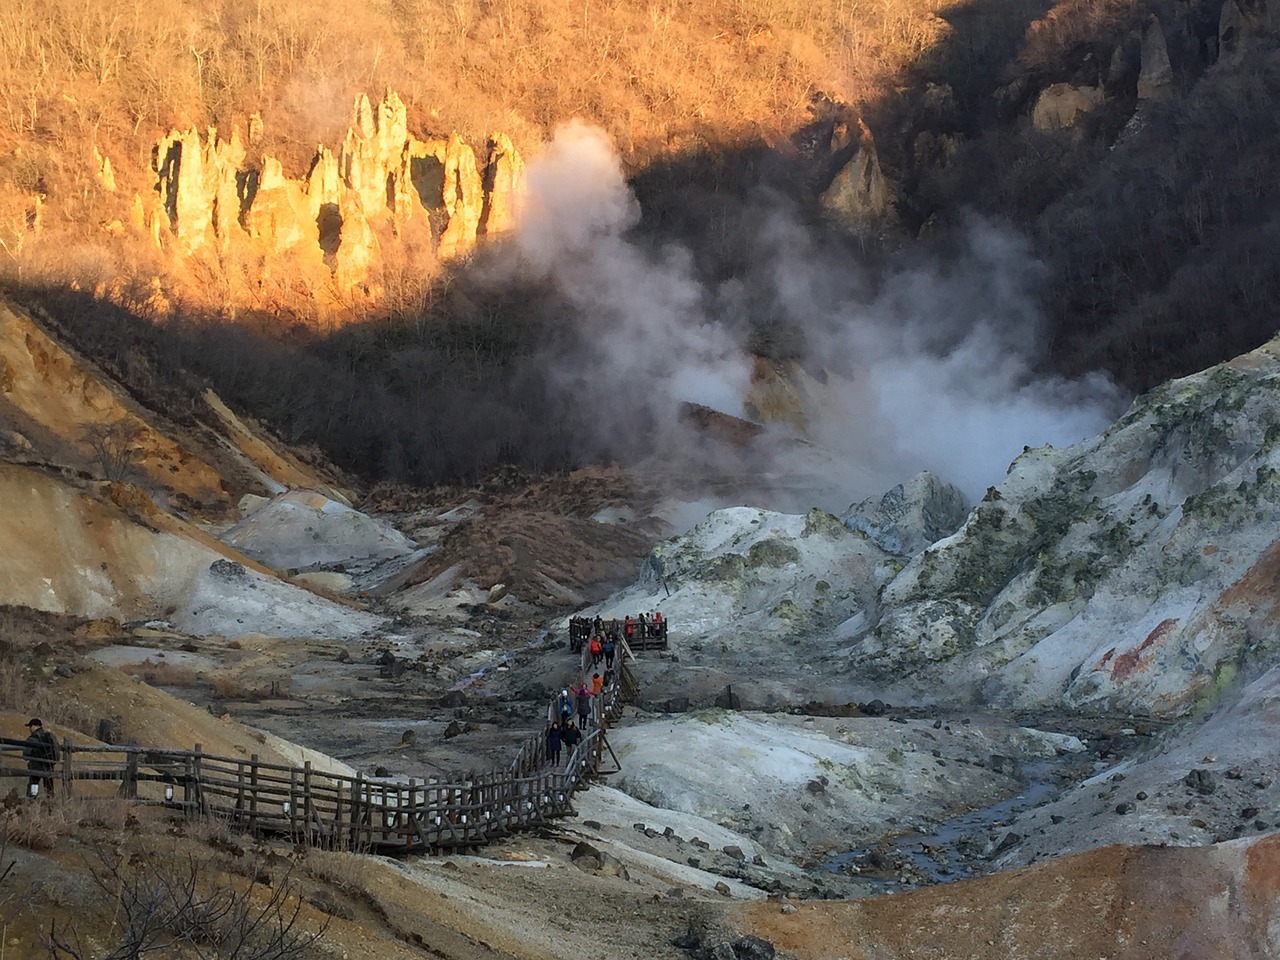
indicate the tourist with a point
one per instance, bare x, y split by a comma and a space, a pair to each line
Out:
597, 650
597, 684
41, 751
553, 744
608, 649
564, 707
570, 736
584, 706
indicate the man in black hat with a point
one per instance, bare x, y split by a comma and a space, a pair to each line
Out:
41, 751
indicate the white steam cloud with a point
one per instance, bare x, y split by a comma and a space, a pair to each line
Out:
647, 334
929, 369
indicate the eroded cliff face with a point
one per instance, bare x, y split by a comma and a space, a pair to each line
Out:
383, 181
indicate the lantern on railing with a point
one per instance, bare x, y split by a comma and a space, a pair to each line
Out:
286, 806
168, 793
33, 790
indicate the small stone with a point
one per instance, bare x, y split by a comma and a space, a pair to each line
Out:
1056, 818
722, 888
1141, 795
753, 948
639, 826
735, 852
1126, 807
1201, 781
788, 908
1199, 824
584, 849
1262, 782
1249, 813
1235, 773
668, 832
650, 832
591, 824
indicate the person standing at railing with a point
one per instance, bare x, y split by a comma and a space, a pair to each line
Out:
553, 743
642, 626
41, 751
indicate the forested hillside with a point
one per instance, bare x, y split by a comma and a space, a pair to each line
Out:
1132, 143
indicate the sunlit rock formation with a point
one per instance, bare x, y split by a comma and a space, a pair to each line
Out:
382, 174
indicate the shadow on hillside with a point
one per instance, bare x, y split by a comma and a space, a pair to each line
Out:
1158, 219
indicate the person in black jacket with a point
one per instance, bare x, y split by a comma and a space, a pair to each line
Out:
41, 751
553, 743
570, 736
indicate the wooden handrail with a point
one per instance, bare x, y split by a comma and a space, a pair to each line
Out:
335, 809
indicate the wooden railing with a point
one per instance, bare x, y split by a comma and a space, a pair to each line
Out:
331, 809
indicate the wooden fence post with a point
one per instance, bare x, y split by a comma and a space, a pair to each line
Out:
307, 806
197, 769
253, 791
355, 809
67, 779
129, 786
293, 799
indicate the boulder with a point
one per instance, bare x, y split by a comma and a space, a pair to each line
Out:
859, 197
1061, 104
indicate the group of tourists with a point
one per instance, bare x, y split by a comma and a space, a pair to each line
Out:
602, 636
574, 700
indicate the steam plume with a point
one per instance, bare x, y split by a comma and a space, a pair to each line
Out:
930, 367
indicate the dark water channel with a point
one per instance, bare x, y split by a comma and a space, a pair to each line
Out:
956, 849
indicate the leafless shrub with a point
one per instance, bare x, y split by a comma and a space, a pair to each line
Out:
164, 675
227, 688
114, 446
168, 902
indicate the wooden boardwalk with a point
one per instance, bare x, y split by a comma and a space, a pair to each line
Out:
383, 814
